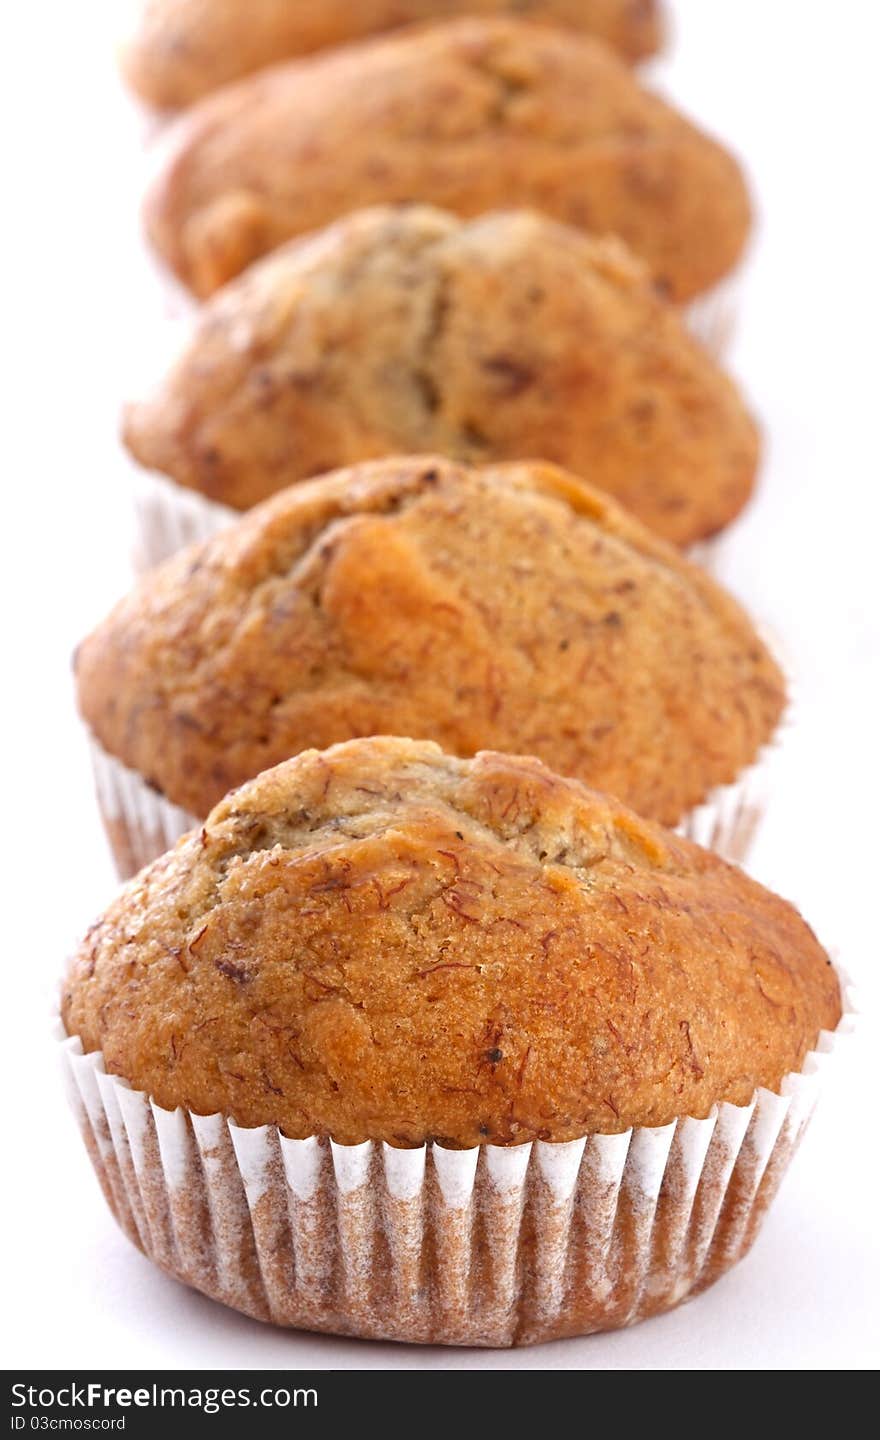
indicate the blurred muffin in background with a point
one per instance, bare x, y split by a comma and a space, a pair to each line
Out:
404, 329
468, 115
176, 51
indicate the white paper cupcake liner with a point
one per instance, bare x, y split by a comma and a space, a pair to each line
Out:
490, 1246
168, 517
141, 824
712, 317
728, 819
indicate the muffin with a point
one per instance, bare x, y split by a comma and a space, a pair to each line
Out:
429, 1049
404, 329
509, 607
466, 115
179, 50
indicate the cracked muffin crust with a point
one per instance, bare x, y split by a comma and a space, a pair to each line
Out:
179, 50
404, 329
466, 115
509, 607
383, 942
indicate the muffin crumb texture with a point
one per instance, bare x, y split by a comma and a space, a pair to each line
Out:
383, 942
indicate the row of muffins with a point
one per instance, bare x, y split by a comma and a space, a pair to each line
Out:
395, 1043
432, 322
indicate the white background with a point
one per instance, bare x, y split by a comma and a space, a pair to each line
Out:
793, 86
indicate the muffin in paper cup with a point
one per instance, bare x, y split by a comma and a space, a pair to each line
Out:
511, 608
319, 356
534, 1233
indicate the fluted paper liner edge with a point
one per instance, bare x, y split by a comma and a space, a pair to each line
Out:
490, 1246
712, 317
168, 517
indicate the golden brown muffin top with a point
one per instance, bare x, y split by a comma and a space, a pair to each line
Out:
179, 50
382, 942
467, 115
509, 608
404, 329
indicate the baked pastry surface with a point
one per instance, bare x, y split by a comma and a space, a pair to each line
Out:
383, 942
510, 607
404, 329
468, 115
179, 50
